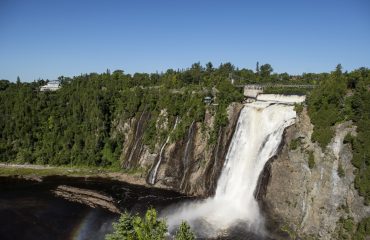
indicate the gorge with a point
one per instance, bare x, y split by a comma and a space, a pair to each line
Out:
256, 139
278, 167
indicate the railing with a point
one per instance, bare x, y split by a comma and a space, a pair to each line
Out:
270, 85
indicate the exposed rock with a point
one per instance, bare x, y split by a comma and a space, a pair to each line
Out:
85, 196
135, 147
204, 162
197, 175
311, 201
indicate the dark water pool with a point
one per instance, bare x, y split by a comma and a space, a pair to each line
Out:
29, 210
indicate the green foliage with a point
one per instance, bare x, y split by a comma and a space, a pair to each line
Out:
348, 229
148, 228
345, 96
80, 123
363, 229
137, 228
348, 139
184, 232
361, 143
311, 160
345, 228
325, 105
341, 172
294, 144
298, 108
289, 230
265, 70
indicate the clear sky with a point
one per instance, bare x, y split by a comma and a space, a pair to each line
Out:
50, 38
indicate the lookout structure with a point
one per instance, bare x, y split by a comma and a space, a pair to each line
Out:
50, 86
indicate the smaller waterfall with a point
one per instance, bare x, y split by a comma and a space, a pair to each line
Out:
136, 139
153, 173
185, 160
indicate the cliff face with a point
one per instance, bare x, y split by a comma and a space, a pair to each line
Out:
306, 191
189, 165
310, 199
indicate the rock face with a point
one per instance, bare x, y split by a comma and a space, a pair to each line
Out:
88, 197
305, 200
190, 165
308, 202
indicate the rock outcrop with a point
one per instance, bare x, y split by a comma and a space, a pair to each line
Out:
87, 197
190, 165
308, 200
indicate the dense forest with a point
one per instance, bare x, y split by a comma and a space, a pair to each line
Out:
77, 125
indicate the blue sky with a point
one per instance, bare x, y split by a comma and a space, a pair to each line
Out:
50, 38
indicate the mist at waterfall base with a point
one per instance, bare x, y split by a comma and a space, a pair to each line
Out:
256, 139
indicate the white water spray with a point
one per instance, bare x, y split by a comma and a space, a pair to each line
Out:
256, 139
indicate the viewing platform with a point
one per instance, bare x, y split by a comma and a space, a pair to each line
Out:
252, 90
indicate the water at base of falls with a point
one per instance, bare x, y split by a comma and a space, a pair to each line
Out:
256, 139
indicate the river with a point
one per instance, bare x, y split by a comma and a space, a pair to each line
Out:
29, 209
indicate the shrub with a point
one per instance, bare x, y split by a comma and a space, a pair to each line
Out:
184, 232
311, 160
348, 139
294, 144
298, 108
340, 170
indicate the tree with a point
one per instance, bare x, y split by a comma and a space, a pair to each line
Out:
184, 232
257, 68
209, 67
148, 228
266, 70
137, 228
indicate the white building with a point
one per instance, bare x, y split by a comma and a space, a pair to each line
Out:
51, 86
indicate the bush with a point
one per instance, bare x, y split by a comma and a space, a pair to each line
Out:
322, 135
298, 108
294, 144
340, 170
311, 160
348, 139
363, 229
184, 232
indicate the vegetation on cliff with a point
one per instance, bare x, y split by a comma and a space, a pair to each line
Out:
341, 97
79, 124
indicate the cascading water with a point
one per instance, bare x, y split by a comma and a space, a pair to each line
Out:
153, 173
137, 140
256, 139
185, 160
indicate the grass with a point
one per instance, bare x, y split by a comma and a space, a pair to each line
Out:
26, 170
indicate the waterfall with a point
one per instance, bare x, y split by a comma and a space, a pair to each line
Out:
256, 139
153, 172
185, 160
136, 138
